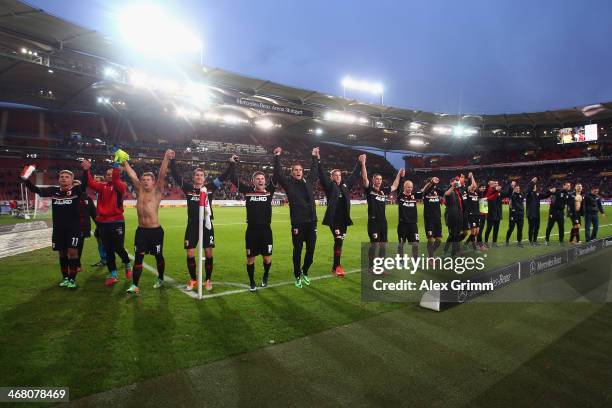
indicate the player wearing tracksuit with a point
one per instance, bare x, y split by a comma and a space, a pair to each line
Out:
338, 213
302, 212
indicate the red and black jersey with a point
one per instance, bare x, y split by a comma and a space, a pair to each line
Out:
193, 194
407, 206
65, 204
377, 201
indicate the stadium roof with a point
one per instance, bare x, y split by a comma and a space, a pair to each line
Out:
67, 74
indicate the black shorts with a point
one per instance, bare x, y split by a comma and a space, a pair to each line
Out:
407, 232
192, 236
258, 241
338, 231
149, 241
575, 220
433, 227
473, 221
64, 238
377, 231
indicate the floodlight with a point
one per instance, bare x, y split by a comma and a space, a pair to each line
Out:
149, 30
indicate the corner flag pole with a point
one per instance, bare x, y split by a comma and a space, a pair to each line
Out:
200, 239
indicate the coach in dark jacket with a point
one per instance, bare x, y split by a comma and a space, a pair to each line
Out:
302, 211
338, 212
534, 195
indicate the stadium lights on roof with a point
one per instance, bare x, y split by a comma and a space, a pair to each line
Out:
50, 71
110, 72
415, 125
344, 118
150, 30
364, 86
417, 142
266, 124
443, 130
350, 83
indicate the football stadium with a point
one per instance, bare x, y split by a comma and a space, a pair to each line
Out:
178, 234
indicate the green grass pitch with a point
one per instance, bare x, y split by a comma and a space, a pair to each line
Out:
97, 338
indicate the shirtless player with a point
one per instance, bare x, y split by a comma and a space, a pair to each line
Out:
149, 234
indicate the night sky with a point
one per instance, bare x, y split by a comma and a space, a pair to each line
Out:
443, 56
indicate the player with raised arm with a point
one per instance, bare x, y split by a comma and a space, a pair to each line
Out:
556, 210
575, 210
407, 227
338, 213
66, 210
432, 215
258, 236
472, 212
533, 196
110, 221
192, 193
376, 196
97, 234
453, 198
516, 212
483, 211
302, 212
149, 237
494, 216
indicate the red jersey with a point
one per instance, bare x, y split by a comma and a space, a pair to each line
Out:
110, 197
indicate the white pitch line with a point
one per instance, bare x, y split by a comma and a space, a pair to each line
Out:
274, 285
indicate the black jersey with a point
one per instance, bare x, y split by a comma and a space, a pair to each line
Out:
377, 201
558, 202
471, 204
431, 204
193, 194
407, 207
258, 204
65, 204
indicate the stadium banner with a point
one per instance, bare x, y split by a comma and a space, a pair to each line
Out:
511, 164
222, 203
249, 103
565, 285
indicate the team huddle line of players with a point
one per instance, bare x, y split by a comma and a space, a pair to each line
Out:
469, 207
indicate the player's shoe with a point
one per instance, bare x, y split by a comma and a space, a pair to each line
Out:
339, 271
64, 283
111, 280
264, 280
520, 245
208, 285
133, 290
192, 284
128, 271
298, 283
159, 284
71, 284
494, 245
253, 287
99, 263
306, 279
